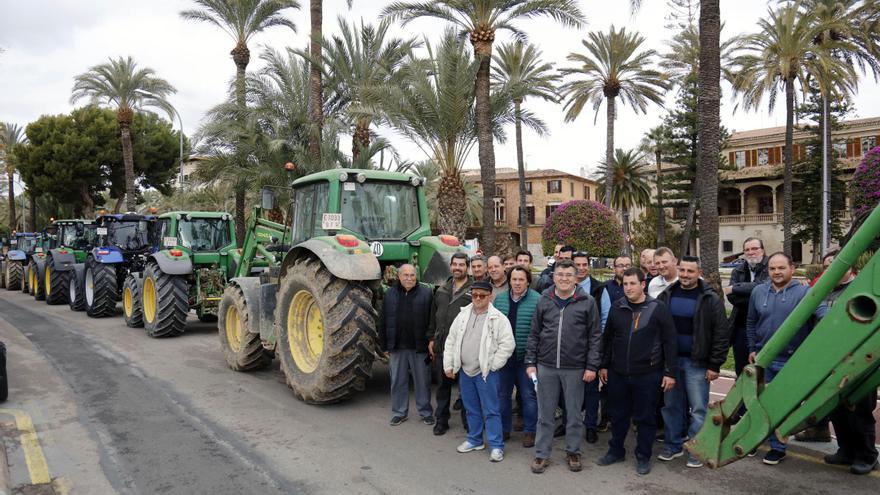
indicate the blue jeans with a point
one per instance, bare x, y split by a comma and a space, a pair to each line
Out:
770, 373
514, 373
591, 404
633, 398
691, 392
480, 399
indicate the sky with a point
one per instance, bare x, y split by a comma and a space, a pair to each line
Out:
48, 42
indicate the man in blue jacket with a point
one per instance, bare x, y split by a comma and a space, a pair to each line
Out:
406, 312
769, 306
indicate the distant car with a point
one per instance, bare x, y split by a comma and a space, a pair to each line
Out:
731, 264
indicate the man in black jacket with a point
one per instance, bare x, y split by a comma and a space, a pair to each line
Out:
703, 339
562, 352
448, 301
638, 362
743, 279
406, 313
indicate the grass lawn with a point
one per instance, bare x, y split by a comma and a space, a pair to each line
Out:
729, 364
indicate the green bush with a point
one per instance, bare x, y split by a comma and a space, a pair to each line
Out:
587, 225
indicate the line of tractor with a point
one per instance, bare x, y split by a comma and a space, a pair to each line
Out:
304, 292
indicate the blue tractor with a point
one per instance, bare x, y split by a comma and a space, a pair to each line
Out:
21, 247
123, 244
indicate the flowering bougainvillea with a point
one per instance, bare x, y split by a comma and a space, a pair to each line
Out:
587, 225
865, 188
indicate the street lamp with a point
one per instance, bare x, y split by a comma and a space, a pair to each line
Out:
180, 177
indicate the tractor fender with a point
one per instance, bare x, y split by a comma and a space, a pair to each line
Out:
79, 272
434, 258
108, 255
173, 265
250, 288
351, 264
16, 255
64, 261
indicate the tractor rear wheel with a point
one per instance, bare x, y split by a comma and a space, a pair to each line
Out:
100, 289
36, 284
56, 284
13, 275
77, 292
131, 302
165, 302
325, 333
239, 339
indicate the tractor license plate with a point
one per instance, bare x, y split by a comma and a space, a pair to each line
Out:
169, 241
101, 231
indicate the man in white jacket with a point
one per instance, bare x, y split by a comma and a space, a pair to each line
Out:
479, 344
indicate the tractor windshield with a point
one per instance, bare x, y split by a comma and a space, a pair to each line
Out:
26, 244
380, 210
131, 235
204, 234
68, 235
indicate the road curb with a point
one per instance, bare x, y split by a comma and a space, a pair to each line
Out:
5, 488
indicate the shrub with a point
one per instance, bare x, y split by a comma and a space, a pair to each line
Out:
587, 225
865, 188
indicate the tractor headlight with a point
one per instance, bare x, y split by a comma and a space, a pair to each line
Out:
179, 216
343, 177
361, 178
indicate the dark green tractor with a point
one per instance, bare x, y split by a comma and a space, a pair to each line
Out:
46, 240
74, 240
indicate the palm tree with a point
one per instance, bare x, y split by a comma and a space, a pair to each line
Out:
657, 141
630, 186
120, 83
612, 67
480, 19
435, 110
362, 64
781, 55
521, 72
682, 60
10, 136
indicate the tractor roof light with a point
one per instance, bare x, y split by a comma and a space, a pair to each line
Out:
289, 166
176, 252
361, 178
343, 176
414, 181
348, 241
450, 240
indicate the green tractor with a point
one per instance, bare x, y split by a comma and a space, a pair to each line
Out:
189, 272
46, 241
74, 239
314, 301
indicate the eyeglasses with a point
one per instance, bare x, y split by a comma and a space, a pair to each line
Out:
479, 296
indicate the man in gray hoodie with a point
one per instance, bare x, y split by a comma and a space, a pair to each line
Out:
769, 306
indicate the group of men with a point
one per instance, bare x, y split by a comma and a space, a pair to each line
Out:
654, 337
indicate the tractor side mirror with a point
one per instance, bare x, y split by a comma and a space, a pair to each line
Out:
80, 230
267, 200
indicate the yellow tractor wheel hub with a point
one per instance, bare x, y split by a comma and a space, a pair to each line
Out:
149, 300
127, 302
233, 328
305, 331
48, 286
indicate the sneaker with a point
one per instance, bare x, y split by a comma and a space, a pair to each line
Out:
643, 466
397, 420
574, 462
862, 467
693, 462
838, 459
603, 424
669, 454
753, 453
440, 428
496, 455
539, 465
429, 420
592, 436
467, 447
774, 457
608, 459
528, 440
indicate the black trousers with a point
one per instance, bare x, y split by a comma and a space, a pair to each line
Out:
855, 431
443, 395
740, 344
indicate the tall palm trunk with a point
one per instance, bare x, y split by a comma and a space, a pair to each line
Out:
661, 214
240, 192
316, 96
32, 206
609, 148
241, 55
10, 175
521, 172
452, 206
482, 41
123, 118
786, 174
690, 220
626, 236
709, 125
361, 139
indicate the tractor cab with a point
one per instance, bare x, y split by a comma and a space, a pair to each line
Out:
26, 242
76, 234
129, 234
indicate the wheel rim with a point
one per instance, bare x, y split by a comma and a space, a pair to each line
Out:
127, 302
32, 280
149, 300
72, 290
90, 287
305, 331
233, 328
48, 281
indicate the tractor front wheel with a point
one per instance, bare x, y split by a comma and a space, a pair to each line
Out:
239, 339
100, 289
56, 284
165, 302
131, 302
35, 284
325, 332
13, 275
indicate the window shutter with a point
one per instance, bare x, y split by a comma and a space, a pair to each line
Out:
731, 158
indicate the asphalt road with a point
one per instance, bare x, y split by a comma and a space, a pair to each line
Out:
117, 412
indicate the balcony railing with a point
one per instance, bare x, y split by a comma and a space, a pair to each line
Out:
754, 218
